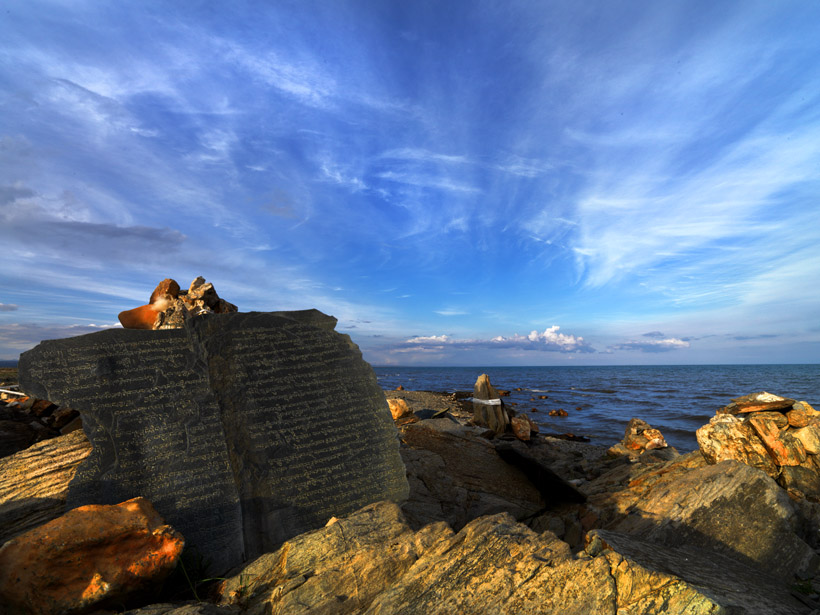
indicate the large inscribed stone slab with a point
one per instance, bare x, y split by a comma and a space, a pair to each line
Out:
242, 429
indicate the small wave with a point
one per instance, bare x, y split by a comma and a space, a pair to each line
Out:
607, 391
538, 390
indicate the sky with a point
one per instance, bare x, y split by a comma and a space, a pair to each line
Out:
458, 182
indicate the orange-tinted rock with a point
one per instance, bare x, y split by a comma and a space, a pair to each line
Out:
520, 427
558, 412
90, 557
400, 388
142, 317
797, 418
760, 402
731, 437
811, 412
167, 287
533, 426
809, 437
398, 408
783, 447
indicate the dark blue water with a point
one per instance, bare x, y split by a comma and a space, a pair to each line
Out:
600, 400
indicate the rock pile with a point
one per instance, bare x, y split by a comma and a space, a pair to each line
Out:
169, 306
26, 420
778, 435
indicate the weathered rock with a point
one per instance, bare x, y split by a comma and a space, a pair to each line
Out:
142, 317
730, 437
168, 288
809, 437
455, 475
729, 507
759, 402
640, 436
805, 407
34, 482
15, 436
91, 556
186, 608
558, 412
242, 429
800, 478
784, 449
398, 408
520, 427
488, 409
336, 570
798, 417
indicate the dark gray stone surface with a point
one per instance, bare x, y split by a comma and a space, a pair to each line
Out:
242, 429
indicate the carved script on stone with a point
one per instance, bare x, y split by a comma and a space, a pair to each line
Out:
242, 429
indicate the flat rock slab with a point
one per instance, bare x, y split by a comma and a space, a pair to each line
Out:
242, 429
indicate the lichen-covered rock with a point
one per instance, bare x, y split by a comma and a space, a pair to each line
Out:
758, 402
520, 428
731, 437
91, 556
784, 449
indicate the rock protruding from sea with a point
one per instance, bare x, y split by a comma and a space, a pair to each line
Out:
778, 435
169, 306
88, 558
640, 439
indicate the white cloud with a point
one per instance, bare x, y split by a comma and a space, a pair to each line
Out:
654, 345
548, 341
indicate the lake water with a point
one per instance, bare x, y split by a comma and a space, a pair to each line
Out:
600, 400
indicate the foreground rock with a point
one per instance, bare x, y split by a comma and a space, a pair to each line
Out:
34, 482
371, 562
243, 430
90, 557
774, 434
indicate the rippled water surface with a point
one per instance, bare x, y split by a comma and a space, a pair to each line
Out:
600, 400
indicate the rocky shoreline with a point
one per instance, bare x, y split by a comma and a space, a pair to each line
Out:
502, 523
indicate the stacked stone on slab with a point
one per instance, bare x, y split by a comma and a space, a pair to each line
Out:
776, 434
169, 306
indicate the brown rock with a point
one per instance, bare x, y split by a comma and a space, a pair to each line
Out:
811, 412
62, 417
42, 407
89, 557
543, 397
802, 478
727, 436
15, 436
761, 402
167, 288
400, 388
640, 436
797, 418
456, 475
142, 317
533, 426
783, 447
809, 437
398, 408
558, 412
34, 482
520, 428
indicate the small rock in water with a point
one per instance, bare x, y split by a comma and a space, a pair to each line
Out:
558, 412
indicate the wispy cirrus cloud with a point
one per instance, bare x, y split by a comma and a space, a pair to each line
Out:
8, 307
658, 344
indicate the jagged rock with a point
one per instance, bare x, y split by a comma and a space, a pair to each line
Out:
169, 307
455, 475
34, 482
784, 449
798, 417
730, 437
521, 427
757, 402
809, 437
336, 570
398, 408
89, 557
488, 409
187, 608
800, 478
729, 507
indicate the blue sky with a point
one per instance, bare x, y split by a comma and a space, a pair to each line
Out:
458, 182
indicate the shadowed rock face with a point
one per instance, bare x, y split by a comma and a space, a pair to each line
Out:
242, 429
